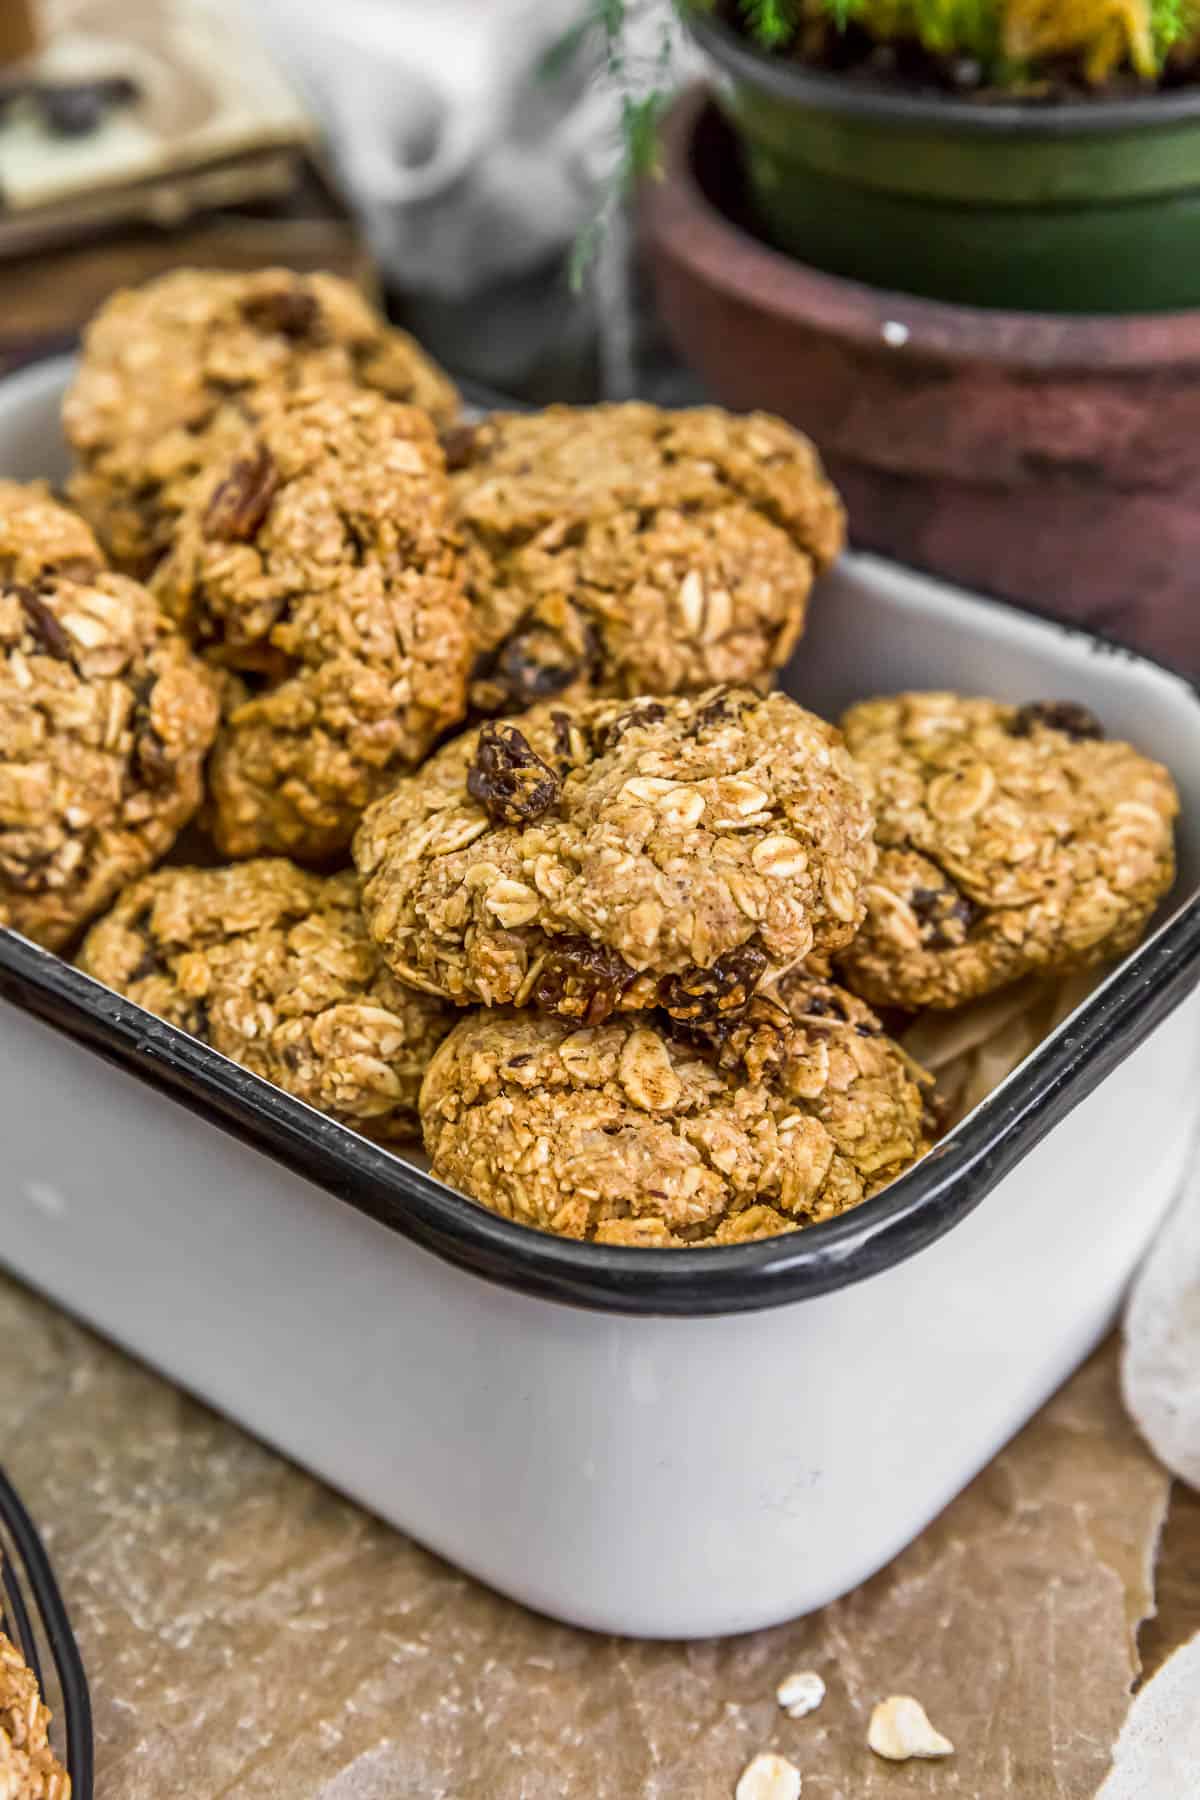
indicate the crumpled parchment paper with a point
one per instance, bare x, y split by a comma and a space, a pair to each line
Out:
248, 1633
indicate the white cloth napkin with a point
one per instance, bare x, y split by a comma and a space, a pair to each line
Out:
1160, 1371
1157, 1756
469, 162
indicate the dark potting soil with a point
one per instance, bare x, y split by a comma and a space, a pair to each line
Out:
907, 67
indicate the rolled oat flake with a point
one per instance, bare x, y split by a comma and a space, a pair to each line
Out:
769, 1777
900, 1728
800, 1693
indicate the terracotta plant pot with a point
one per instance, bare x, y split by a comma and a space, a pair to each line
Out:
1077, 206
17, 33
1048, 458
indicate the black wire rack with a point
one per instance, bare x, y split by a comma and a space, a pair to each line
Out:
32, 1614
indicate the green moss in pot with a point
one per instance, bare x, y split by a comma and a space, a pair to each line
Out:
1039, 155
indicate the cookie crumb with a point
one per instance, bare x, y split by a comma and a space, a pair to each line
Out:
800, 1693
769, 1777
900, 1728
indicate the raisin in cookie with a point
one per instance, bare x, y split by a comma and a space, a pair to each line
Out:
671, 852
636, 551
170, 369
29, 1769
640, 1132
105, 719
1012, 839
317, 560
272, 966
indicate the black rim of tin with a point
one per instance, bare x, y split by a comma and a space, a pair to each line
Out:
32, 1606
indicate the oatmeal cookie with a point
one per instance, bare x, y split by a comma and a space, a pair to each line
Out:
273, 967
670, 852
1012, 839
317, 560
29, 1769
41, 539
642, 1132
636, 551
171, 369
105, 719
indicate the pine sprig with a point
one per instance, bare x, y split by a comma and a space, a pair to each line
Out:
639, 129
772, 22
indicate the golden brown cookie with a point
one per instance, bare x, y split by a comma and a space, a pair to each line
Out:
317, 559
272, 966
1012, 839
40, 539
29, 1769
670, 852
171, 369
636, 551
105, 720
639, 1132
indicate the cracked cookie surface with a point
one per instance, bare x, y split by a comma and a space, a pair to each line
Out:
272, 966
635, 1132
105, 720
610, 855
170, 370
317, 561
630, 550
1012, 839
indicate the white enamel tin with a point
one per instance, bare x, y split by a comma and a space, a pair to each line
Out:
658, 1475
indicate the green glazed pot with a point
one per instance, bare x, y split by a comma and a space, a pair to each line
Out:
1088, 206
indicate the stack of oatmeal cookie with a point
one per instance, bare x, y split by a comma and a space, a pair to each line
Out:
623, 925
